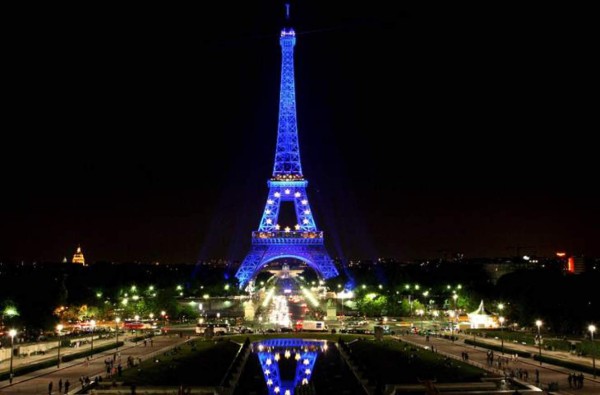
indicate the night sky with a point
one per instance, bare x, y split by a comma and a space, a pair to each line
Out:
149, 134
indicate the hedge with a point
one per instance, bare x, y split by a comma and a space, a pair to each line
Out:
566, 364
18, 371
507, 350
29, 368
88, 352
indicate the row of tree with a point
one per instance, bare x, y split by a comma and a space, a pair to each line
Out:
38, 296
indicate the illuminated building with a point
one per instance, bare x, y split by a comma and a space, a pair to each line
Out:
481, 318
78, 257
301, 240
576, 265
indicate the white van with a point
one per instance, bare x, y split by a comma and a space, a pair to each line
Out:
313, 326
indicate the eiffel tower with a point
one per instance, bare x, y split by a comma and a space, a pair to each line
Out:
302, 240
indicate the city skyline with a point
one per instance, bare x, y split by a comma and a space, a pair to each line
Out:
388, 110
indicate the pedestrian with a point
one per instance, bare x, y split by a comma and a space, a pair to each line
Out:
570, 380
67, 385
50, 388
60, 386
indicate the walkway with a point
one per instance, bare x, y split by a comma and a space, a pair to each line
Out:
547, 373
37, 382
562, 355
52, 354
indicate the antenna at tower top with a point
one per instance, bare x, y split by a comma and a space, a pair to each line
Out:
287, 11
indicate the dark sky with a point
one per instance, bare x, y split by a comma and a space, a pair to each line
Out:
148, 134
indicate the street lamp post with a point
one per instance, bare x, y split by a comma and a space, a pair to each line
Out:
92, 325
420, 313
451, 314
12, 333
538, 323
117, 320
59, 329
455, 297
163, 314
592, 329
501, 319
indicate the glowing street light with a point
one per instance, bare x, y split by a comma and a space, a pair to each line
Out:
92, 325
451, 314
12, 333
538, 323
592, 329
59, 329
117, 320
501, 319
455, 297
420, 313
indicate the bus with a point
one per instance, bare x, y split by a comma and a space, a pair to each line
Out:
136, 325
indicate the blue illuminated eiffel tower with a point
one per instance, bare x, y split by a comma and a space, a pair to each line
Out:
301, 240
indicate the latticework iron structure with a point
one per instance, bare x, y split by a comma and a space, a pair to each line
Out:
301, 240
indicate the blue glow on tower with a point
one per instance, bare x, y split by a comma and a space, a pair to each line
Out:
287, 151
301, 240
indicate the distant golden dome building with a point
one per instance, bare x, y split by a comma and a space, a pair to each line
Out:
78, 257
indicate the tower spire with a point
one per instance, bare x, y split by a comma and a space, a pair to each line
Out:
287, 151
287, 11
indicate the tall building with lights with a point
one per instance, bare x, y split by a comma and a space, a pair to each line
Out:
273, 240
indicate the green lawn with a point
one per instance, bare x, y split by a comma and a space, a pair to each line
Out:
206, 362
199, 363
395, 362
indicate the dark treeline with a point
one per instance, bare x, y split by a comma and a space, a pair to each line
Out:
566, 303
36, 290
